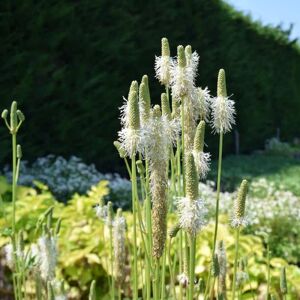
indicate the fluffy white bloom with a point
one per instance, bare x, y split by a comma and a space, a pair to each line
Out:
202, 162
60, 297
241, 278
158, 136
239, 222
101, 211
162, 69
182, 81
183, 279
9, 255
192, 64
131, 140
223, 112
48, 257
204, 99
192, 214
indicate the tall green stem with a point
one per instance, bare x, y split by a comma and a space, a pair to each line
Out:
192, 266
237, 236
111, 261
218, 191
268, 265
135, 271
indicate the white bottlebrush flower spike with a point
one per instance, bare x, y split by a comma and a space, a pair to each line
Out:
9, 255
48, 257
223, 113
239, 222
192, 214
192, 61
204, 99
101, 211
202, 161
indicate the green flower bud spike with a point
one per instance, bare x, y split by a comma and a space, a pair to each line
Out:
21, 116
165, 48
283, 282
110, 213
19, 151
4, 114
215, 267
174, 230
188, 52
191, 178
221, 89
145, 81
92, 294
181, 56
121, 151
145, 103
134, 87
13, 117
175, 108
165, 106
240, 203
199, 137
156, 113
134, 115
140, 167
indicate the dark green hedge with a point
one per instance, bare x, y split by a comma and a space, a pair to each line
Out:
69, 63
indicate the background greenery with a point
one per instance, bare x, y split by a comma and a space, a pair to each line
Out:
69, 63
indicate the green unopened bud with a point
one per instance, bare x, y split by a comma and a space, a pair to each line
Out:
110, 213
215, 267
165, 106
13, 117
156, 113
240, 202
119, 212
201, 286
243, 264
165, 48
145, 81
175, 108
134, 114
134, 87
19, 152
20, 116
283, 282
92, 294
140, 167
50, 292
4, 114
57, 227
121, 151
222, 91
199, 137
181, 56
188, 52
191, 178
174, 230
145, 102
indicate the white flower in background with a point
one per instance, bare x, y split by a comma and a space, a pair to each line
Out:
163, 63
9, 255
192, 214
222, 107
48, 257
241, 278
101, 211
183, 279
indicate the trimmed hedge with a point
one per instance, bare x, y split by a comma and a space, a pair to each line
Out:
69, 63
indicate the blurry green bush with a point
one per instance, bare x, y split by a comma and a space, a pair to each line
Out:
71, 61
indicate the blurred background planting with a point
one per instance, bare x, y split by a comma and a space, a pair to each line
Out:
68, 63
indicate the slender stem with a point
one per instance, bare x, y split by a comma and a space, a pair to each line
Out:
163, 275
182, 144
156, 280
237, 236
268, 265
111, 262
218, 191
192, 267
171, 271
135, 271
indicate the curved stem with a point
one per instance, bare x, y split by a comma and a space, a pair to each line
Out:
192, 266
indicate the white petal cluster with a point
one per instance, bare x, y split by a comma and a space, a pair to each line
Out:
241, 278
192, 214
222, 259
162, 69
223, 113
202, 162
183, 279
204, 100
101, 211
131, 140
47, 257
239, 222
9, 255
192, 64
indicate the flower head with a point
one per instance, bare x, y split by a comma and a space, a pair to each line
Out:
238, 219
222, 107
192, 60
204, 100
144, 100
163, 63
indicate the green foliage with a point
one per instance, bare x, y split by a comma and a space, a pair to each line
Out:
84, 247
70, 61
